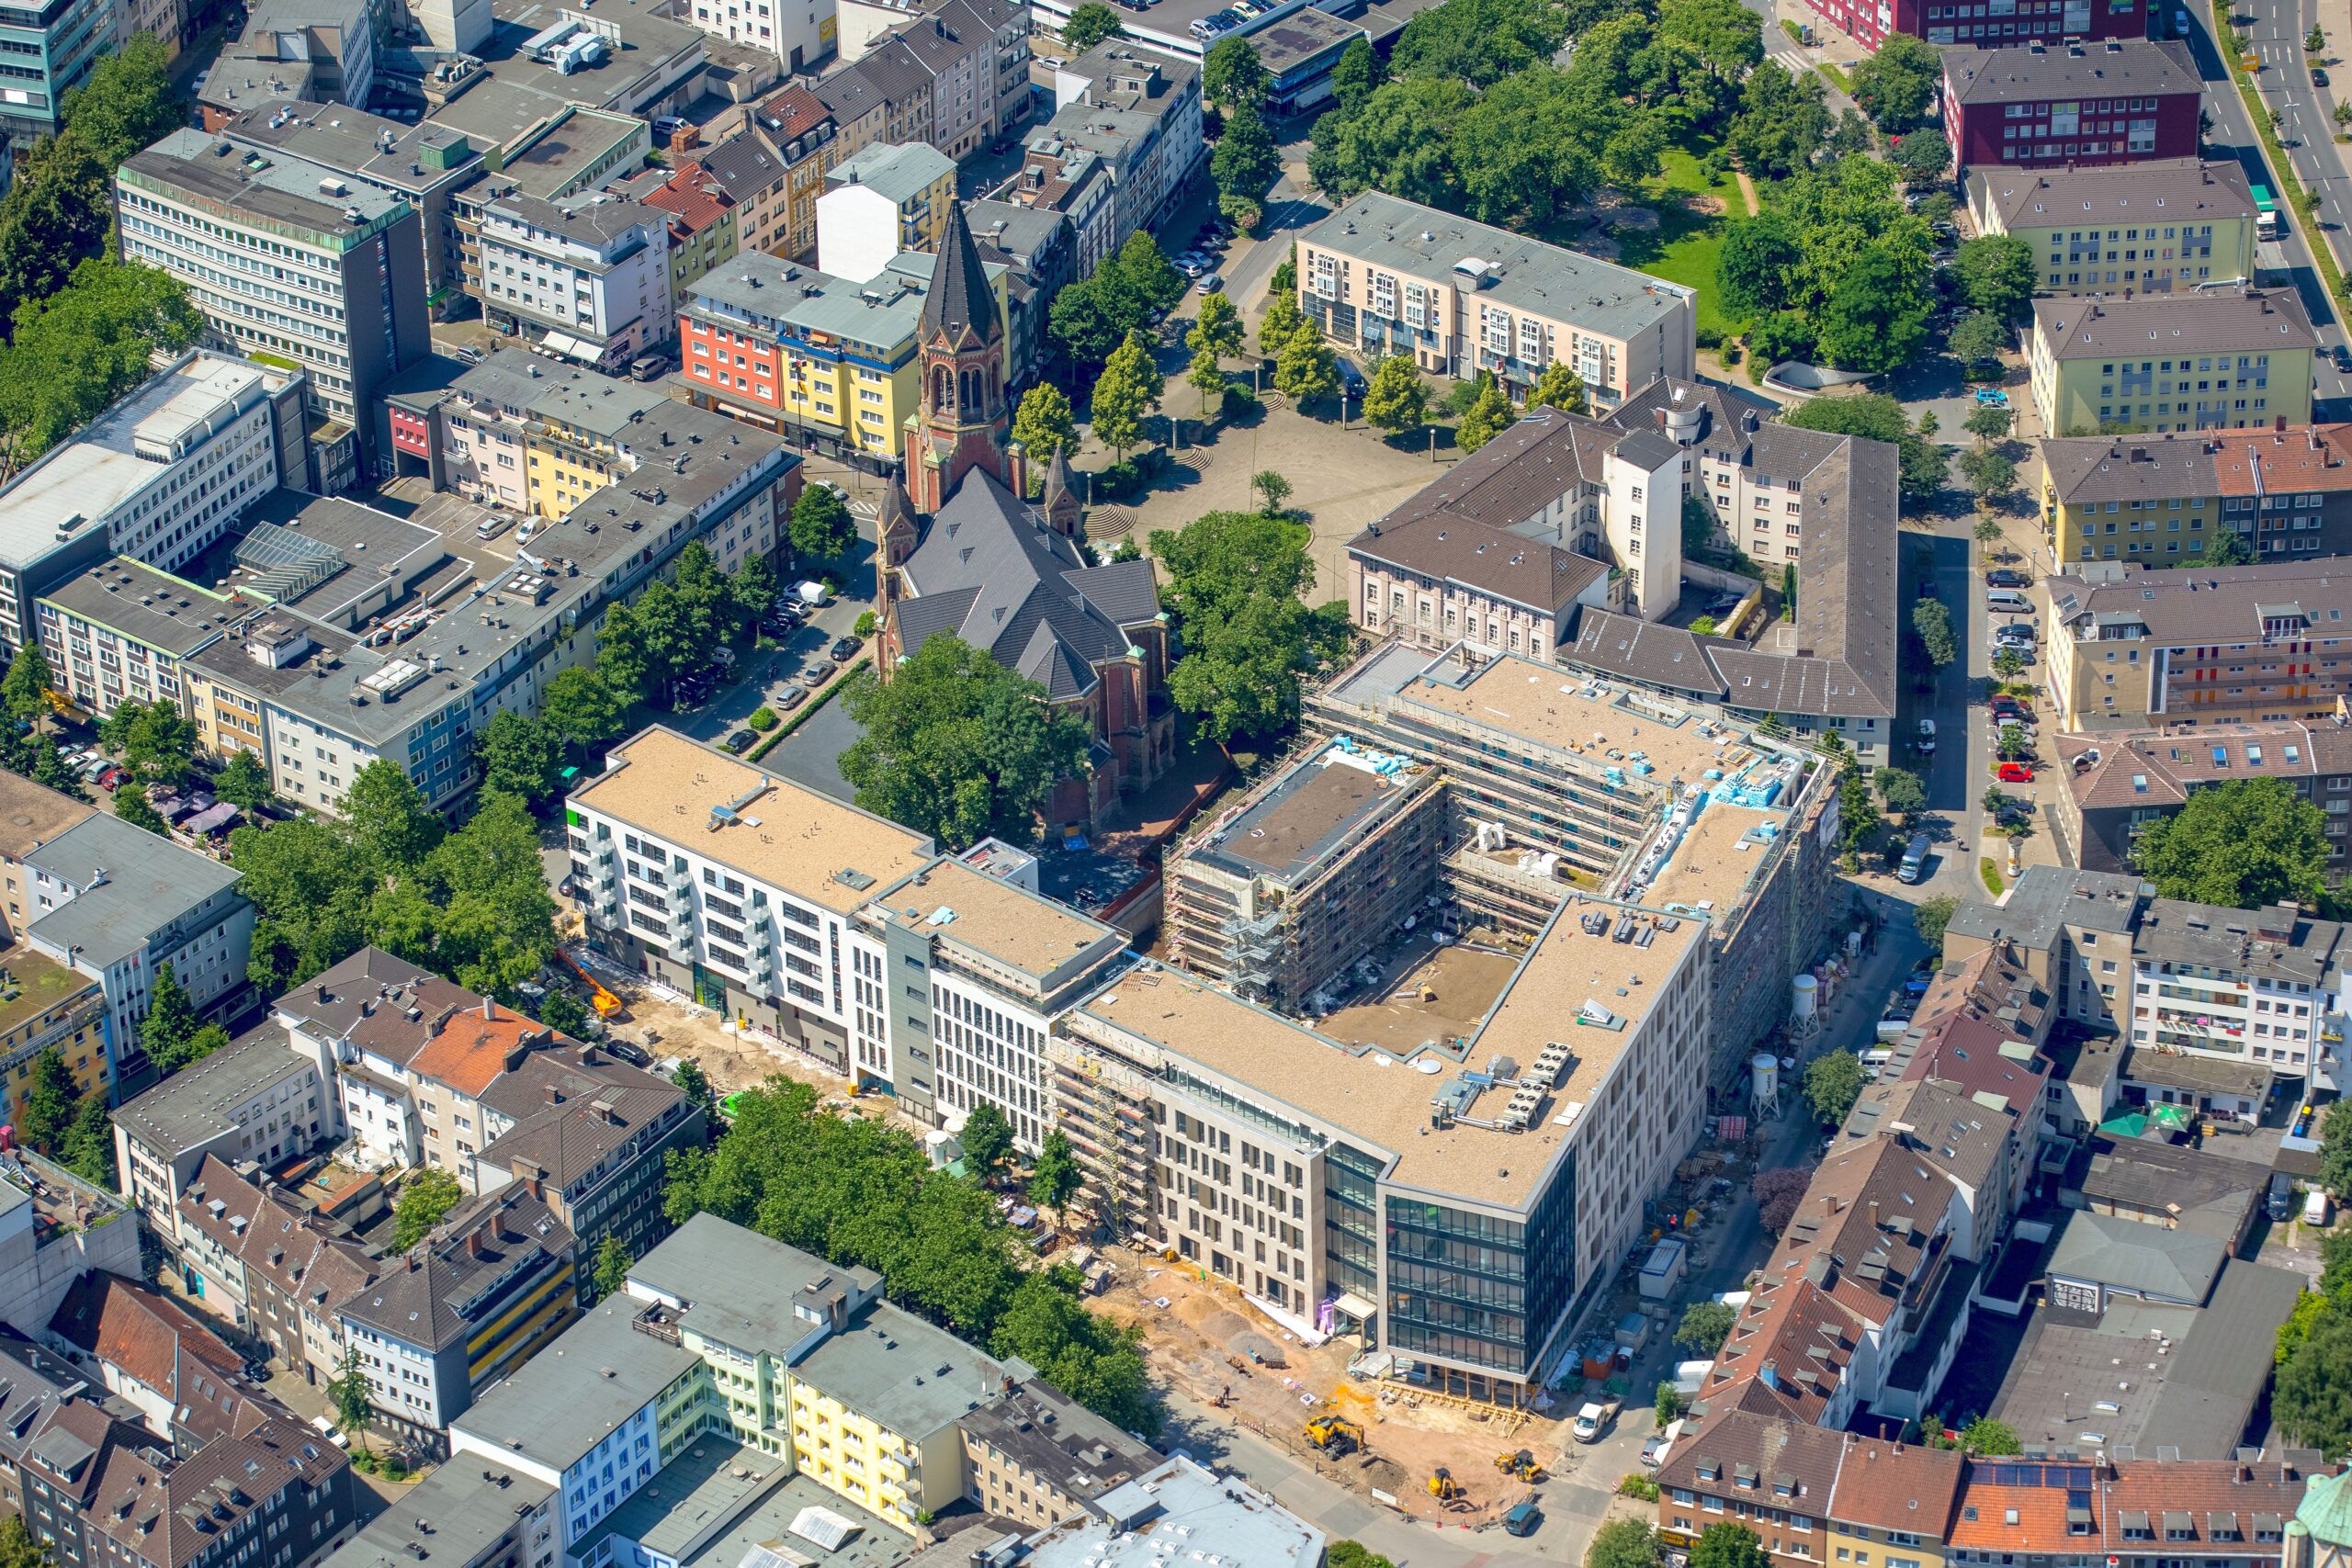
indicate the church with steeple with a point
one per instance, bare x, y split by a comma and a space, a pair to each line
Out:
964, 554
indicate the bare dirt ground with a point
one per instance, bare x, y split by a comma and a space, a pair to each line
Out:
1207, 1327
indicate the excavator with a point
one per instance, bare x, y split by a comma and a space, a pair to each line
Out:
1444, 1488
1521, 1466
1335, 1435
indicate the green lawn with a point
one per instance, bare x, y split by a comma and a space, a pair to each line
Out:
1687, 244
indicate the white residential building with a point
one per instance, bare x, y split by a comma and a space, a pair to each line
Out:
252, 1100
832, 929
587, 276
2250, 985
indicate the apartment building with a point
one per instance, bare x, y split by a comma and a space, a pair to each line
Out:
320, 51
2282, 492
55, 1231
774, 170
483, 1516
2244, 985
2071, 930
159, 479
2162, 227
1392, 276
1330, 1185
1039, 251
885, 96
823, 952
2134, 649
120, 632
585, 276
1535, 801
2118, 781
800, 33
359, 1025
490, 1288
704, 231
880, 201
114, 904
262, 1258
2221, 360
287, 257
54, 47
2124, 100
45, 1006
1123, 149
783, 347
250, 1100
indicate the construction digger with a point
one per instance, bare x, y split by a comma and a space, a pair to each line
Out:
1521, 1466
1445, 1489
1336, 1434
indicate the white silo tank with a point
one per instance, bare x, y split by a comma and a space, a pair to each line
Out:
1804, 991
1766, 1068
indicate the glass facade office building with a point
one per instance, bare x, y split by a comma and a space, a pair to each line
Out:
1478, 1288
45, 52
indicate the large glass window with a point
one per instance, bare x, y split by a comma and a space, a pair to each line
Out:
1352, 1220
1478, 1288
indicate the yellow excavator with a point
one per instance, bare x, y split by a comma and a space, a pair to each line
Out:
1521, 1466
1443, 1487
1335, 1435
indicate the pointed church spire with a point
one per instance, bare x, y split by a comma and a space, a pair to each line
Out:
960, 297
1057, 476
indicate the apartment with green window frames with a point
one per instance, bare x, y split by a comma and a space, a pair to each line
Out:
1460, 1205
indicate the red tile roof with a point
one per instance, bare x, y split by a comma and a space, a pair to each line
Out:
1897, 1486
692, 198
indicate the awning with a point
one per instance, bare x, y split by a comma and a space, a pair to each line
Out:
1355, 1306
565, 343
210, 820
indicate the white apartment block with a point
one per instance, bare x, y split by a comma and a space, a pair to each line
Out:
901, 967
800, 33
159, 478
587, 276
2248, 985
1385, 276
252, 1100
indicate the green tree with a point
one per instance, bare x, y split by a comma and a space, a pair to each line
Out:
1397, 400
612, 1263
1881, 418
1044, 425
1759, 258
1123, 396
1232, 76
1832, 1084
1235, 582
49, 1103
1933, 623
1246, 159
1929, 917
1489, 416
1923, 156
1728, 1546
1860, 828
1984, 1437
2313, 1398
1876, 317
1054, 1177
170, 1022
1901, 789
131, 804
518, 755
2224, 548
1280, 323
1989, 474
82, 344
1271, 489
2242, 844
1204, 376
1359, 72
1559, 387
562, 1012
1782, 121
347, 1393
1669, 1404
242, 780
1101, 1366
1997, 274
26, 687
580, 709
159, 744
128, 102
1989, 422
388, 818
820, 527
957, 746
1355, 1554
1480, 41
1307, 370
2336, 1148
1895, 85
1705, 1325
424, 1201
752, 591
987, 1138
690, 1080
1978, 338
1217, 329
1089, 23
1623, 1543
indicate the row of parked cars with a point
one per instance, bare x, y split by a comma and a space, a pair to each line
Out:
92, 767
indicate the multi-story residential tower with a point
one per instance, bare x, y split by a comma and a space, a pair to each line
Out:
2163, 227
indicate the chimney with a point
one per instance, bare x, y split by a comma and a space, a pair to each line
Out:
489, 1011
1770, 1373
414, 1265
473, 1243
555, 1095
1829, 1202
1873, 1214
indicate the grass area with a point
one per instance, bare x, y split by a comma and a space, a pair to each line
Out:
2291, 196
1689, 244
1837, 77
1790, 27
1992, 875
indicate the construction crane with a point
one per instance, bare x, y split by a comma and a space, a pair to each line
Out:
608, 1005
1335, 1435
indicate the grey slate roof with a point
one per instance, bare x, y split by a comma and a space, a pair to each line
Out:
132, 885
2049, 898
2254, 322
959, 298
2134, 66
471, 1507
2209, 1195
560, 1404
2146, 1259
2165, 190
990, 572
2213, 936
2228, 603
2089, 469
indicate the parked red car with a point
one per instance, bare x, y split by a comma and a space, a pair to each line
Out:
2017, 773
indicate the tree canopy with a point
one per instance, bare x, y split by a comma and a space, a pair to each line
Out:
1996, 273
1728, 1546
1623, 1543
74, 350
424, 1200
821, 526
1232, 75
1896, 84
2242, 843
1089, 23
1094, 316
860, 1192
1832, 1084
957, 746
1881, 418
1235, 587
1704, 1327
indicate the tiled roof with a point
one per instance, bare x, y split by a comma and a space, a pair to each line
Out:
2254, 320
2015, 1506
170, 1514
2226, 603
1777, 1463
2165, 190
153, 1339
572, 1106
2023, 76
2152, 767
471, 1047
1897, 1486
382, 1004
692, 195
